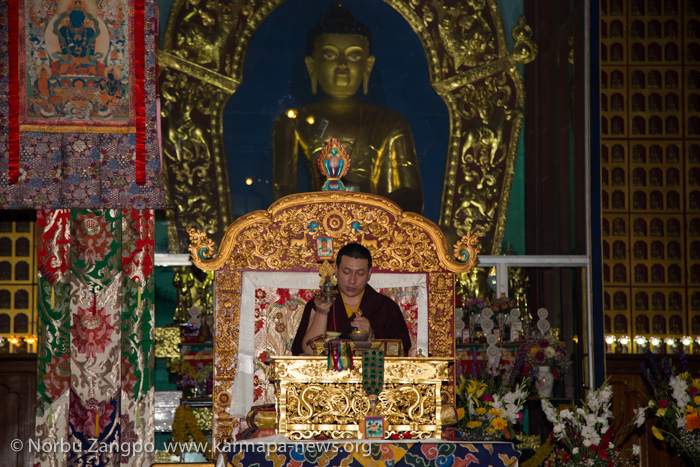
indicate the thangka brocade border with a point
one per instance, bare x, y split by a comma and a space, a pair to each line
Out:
97, 168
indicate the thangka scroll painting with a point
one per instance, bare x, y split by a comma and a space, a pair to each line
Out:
81, 105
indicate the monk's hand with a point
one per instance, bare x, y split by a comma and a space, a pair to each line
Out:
323, 305
361, 323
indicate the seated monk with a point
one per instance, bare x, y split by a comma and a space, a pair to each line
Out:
381, 317
378, 140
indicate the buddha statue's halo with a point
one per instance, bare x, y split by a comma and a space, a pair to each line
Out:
338, 20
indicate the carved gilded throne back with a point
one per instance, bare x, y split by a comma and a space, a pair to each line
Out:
275, 250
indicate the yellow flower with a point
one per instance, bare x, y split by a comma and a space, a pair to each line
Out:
476, 388
657, 433
460, 413
474, 424
696, 400
460, 388
533, 351
499, 423
495, 412
661, 412
480, 411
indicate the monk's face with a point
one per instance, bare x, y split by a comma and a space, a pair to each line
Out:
352, 275
340, 62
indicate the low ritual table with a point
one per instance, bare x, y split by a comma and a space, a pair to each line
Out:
313, 400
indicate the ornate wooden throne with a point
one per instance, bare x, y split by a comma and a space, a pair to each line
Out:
266, 269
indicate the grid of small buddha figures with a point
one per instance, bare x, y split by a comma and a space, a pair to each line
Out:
650, 131
18, 274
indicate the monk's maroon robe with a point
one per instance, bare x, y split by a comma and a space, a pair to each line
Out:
383, 313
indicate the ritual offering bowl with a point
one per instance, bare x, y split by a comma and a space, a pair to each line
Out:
333, 335
358, 335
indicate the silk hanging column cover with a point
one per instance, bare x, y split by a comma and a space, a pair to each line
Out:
78, 113
96, 348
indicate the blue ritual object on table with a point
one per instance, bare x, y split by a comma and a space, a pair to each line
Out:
373, 372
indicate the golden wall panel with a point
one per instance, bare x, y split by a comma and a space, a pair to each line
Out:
650, 77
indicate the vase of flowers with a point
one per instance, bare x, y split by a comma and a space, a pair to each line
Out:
490, 400
585, 436
545, 354
472, 314
195, 381
544, 381
675, 405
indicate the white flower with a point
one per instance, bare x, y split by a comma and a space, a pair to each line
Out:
566, 414
592, 419
680, 422
574, 451
680, 391
639, 417
549, 352
559, 428
635, 449
590, 435
549, 411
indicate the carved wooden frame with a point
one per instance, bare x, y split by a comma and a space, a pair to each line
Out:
282, 238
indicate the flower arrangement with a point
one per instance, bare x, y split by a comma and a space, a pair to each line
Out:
490, 401
585, 435
503, 304
676, 404
475, 305
545, 350
197, 378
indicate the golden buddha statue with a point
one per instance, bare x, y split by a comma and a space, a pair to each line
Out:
379, 141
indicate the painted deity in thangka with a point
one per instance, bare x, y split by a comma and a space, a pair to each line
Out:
77, 66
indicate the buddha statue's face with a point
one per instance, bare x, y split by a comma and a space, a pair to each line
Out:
340, 63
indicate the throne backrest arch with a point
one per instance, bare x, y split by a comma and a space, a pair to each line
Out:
283, 239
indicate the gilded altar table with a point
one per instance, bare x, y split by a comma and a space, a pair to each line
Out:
313, 400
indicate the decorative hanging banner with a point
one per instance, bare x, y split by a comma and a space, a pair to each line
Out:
339, 355
54, 244
96, 349
81, 105
12, 15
